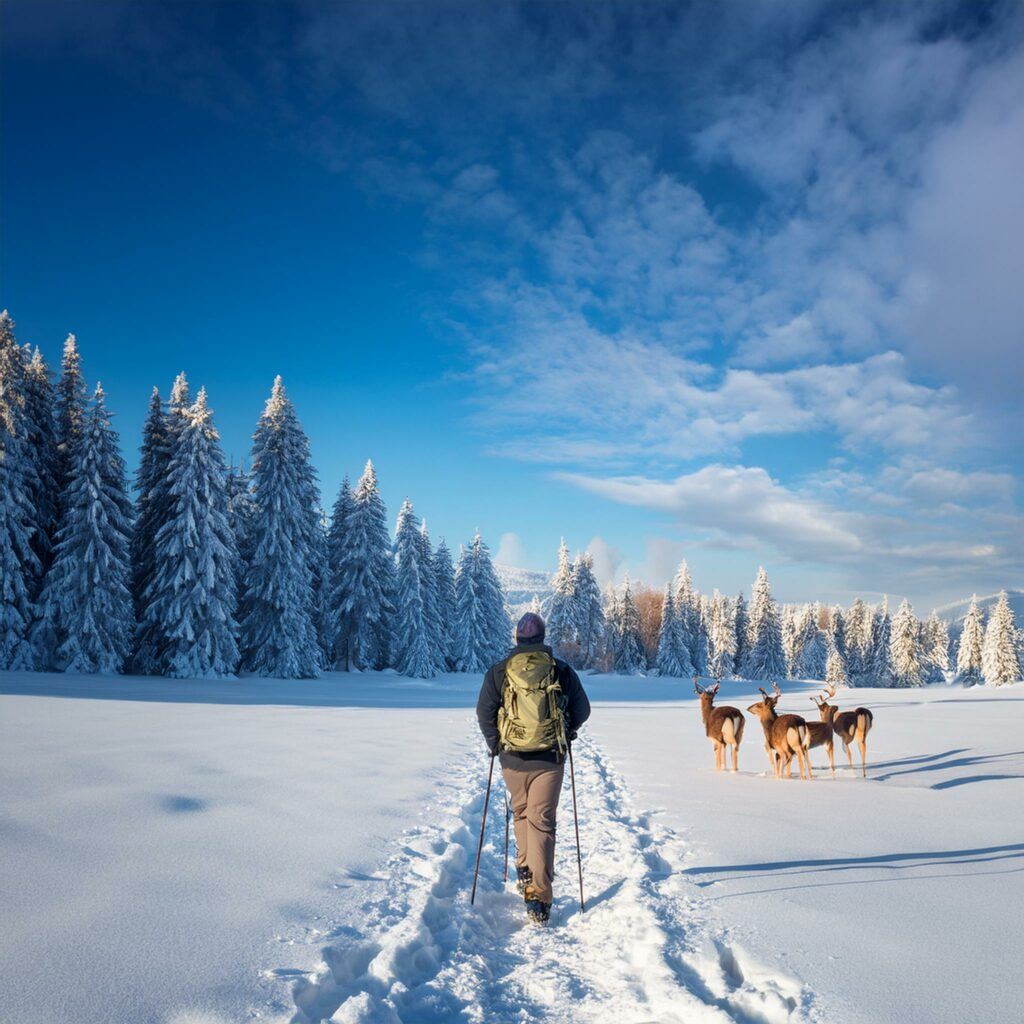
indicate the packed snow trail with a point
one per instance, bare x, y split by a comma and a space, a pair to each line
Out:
643, 952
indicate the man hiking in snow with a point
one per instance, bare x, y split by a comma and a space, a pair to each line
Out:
530, 708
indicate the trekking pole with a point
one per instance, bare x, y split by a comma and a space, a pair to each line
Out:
505, 876
576, 821
483, 822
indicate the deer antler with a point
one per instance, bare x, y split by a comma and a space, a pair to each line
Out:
763, 692
696, 685
775, 687
831, 690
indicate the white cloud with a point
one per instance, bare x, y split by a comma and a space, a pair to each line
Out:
511, 550
607, 560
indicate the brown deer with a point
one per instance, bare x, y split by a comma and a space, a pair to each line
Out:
821, 736
848, 726
724, 725
785, 735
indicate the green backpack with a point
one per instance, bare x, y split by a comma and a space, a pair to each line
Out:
532, 712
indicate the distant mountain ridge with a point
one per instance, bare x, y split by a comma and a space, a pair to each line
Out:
953, 614
521, 585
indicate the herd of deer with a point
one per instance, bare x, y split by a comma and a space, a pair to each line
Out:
785, 736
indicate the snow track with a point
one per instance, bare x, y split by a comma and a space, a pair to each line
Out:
643, 952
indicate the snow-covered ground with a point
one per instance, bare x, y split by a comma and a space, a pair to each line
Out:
198, 853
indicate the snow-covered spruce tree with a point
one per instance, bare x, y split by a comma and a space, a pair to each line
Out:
858, 644
412, 651
241, 516
766, 659
630, 659
19, 564
835, 666
444, 586
934, 649
482, 627
999, 658
278, 631
668, 651
905, 647
150, 479
812, 645
41, 436
687, 606
86, 603
431, 614
722, 639
365, 581
589, 612
969, 649
612, 627
561, 624
194, 589
881, 650
337, 625
702, 659
740, 626
153, 505
70, 409
321, 583
837, 631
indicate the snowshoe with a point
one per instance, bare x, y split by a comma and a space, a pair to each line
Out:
538, 912
524, 876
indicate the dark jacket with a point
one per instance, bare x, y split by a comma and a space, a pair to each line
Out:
577, 712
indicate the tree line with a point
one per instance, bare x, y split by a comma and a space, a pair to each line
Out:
683, 632
212, 570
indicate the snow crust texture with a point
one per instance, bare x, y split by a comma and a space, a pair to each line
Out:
645, 949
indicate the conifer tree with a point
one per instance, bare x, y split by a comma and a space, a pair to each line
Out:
934, 649
483, 628
278, 630
630, 658
790, 638
766, 659
858, 644
338, 626
19, 563
70, 409
969, 649
687, 608
366, 577
722, 639
668, 652
193, 592
241, 517
41, 437
881, 654
153, 507
812, 645
589, 612
612, 626
561, 625
904, 647
412, 648
999, 658
835, 666
431, 613
837, 631
444, 585
86, 603
741, 625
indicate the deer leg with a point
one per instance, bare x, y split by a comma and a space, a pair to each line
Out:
863, 756
830, 750
736, 757
807, 761
849, 754
718, 755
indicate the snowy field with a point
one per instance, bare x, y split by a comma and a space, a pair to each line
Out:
199, 853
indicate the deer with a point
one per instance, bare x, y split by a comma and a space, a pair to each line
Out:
848, 726
724, 725
785, 735
821, 736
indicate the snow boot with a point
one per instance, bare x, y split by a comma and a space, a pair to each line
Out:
538, 912
524, 876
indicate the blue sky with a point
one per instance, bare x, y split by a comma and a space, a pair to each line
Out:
735, 282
